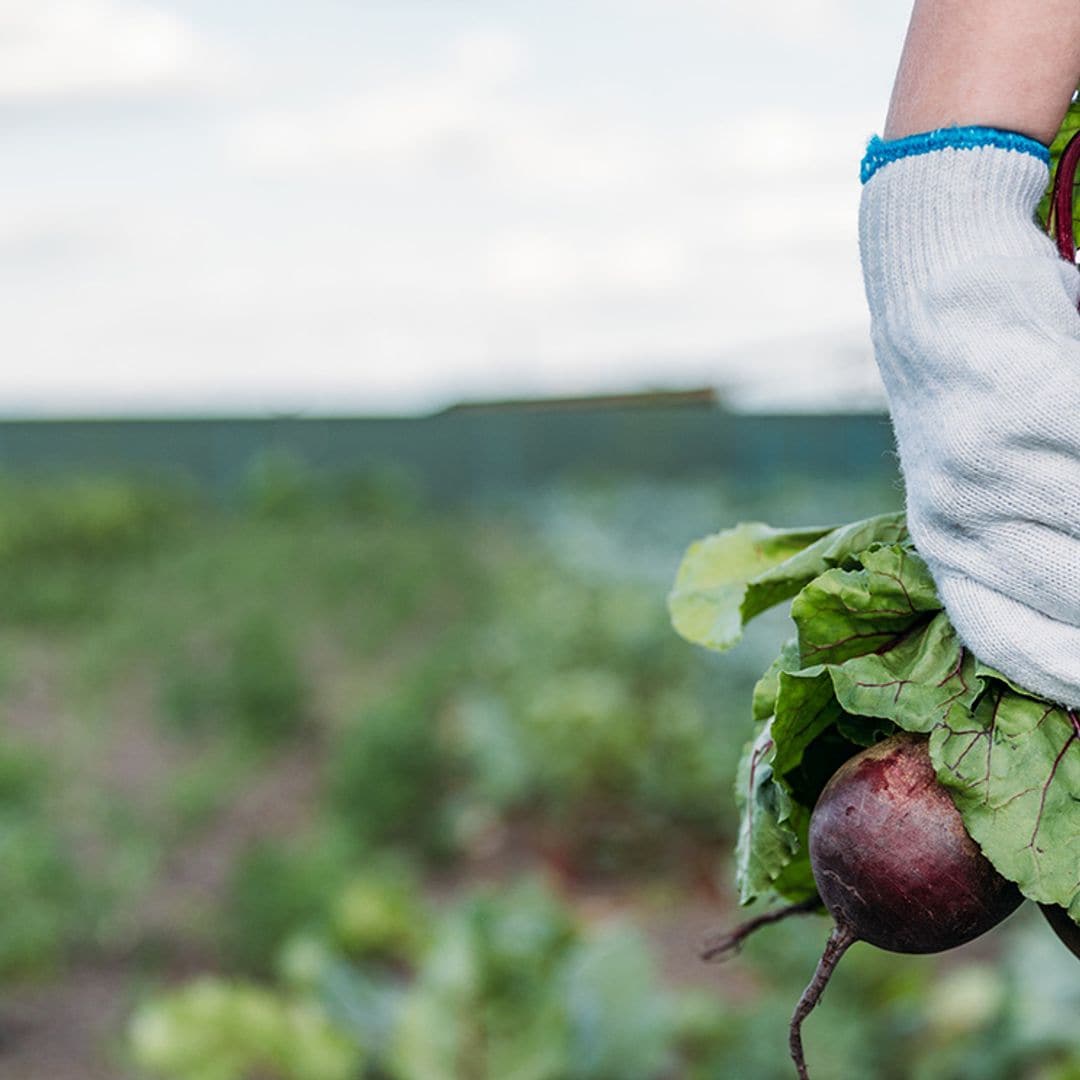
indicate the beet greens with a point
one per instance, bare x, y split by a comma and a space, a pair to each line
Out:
875, 683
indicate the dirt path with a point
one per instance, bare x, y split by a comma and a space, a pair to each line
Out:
63, 1030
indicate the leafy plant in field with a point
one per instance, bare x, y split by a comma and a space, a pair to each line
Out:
281, 485
39, 891
508, 982
390, 774
39, 887
513, 988
379, 915
250, 684
578, 709
275, 890
215, 1029
63, 543
265, 691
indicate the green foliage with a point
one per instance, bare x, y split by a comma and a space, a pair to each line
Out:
85, 519
480, 1005
1069, 127
251, 683
1009, 768
580, 706
513, 987
380, 914
275, 890
218, 1030
282, 486
23, 779
528, 704
264, 688
39, 890
39, 893
770, 853
620, 1022
510, 986
510, 983
728, 578
874, 644
63, 542
389, 774
379, 494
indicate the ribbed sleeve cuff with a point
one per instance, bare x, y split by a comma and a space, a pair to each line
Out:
929, 213
880, 152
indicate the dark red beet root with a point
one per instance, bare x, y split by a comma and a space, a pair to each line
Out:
895, 866
892, 859
1063, 926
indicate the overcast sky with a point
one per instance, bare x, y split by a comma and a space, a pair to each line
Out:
369, 206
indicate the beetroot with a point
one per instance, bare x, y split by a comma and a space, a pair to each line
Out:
892, 859
1063, 926
895, 866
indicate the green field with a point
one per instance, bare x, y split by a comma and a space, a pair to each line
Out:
336, 785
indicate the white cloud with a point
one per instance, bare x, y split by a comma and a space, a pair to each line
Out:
73, 49
535, 264
399, 231
471, 116
835, 22
432, 115
797, 20
467, 115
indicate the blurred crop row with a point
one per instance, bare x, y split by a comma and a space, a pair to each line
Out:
349, 787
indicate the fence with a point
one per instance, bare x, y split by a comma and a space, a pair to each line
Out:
462, 455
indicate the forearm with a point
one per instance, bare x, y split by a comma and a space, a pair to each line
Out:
1010, 64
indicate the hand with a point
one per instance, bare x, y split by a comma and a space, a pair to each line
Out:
975, 327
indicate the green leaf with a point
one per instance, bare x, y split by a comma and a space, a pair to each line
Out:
806, 707
796, 881
714, 594
728, 578
1012, 766
915, 683
770, 854
768, 686
845, 613
985, 672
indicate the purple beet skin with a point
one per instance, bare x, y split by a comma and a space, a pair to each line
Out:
892, 859
1063, 926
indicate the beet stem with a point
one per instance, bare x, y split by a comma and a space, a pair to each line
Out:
724, 945
840, 940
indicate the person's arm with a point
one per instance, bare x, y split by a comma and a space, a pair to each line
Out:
975, 326
1010, 64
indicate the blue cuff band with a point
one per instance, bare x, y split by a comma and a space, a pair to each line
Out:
880, 152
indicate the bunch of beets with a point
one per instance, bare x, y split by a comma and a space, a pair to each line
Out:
893, 781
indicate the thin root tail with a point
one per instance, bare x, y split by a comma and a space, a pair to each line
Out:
721, 946
840, 940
